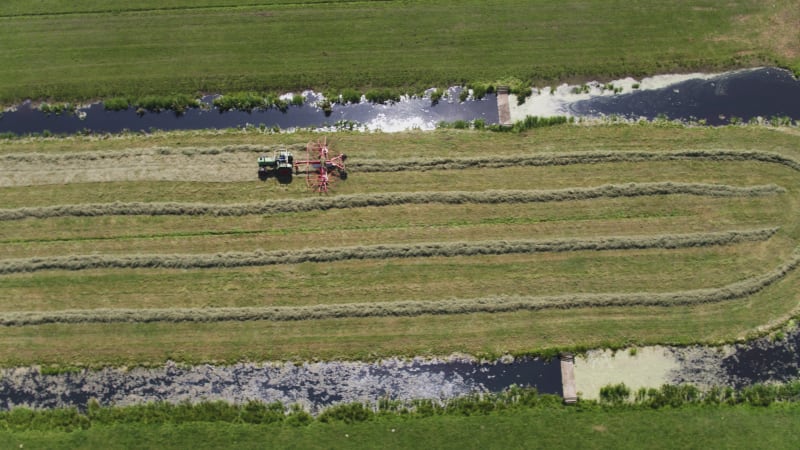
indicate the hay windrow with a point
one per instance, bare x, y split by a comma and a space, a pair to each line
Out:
416, 164
498, 304
448, 249
389, 199
564, 159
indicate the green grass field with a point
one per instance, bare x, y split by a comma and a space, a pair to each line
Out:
418, 277
68, 51
134, 249
690, 427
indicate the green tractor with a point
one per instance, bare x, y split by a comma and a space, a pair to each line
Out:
279, 165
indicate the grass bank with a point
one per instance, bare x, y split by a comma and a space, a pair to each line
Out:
702, 427
668, 417
67, 51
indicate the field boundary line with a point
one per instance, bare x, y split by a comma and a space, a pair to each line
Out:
387, 199
384, 251
498, 304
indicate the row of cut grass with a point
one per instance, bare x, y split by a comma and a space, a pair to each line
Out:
384, 199
380, 252
165, 165
481, 334
734, 173
498, 304
370, 226
431, 161
75, 229
392, 280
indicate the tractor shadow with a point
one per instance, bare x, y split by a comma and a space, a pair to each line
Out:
282, 178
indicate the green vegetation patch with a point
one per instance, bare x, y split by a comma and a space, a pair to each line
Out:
67, 51
679, 415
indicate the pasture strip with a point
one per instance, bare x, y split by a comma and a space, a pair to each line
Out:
409, 308
260, 258
387, 199
400, 45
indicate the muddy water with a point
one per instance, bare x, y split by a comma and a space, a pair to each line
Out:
761, 361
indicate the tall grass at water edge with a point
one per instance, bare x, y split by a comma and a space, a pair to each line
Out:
178, 103
514, 399
248, 101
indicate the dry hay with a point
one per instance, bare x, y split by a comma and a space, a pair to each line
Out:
449, 249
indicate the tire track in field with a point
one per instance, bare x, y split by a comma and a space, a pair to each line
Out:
438, 249
184, 8
388, 199
499, 304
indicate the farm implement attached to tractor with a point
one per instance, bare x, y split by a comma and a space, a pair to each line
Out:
321, 168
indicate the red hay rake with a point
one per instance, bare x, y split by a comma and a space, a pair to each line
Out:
321, 169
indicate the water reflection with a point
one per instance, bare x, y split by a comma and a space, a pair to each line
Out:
741, 95
406, 114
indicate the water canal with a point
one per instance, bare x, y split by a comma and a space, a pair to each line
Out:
313, 385
408, 113
714, 99
316, 385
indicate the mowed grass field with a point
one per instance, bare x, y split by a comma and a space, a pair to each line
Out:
437, 243
728, 427
65, 50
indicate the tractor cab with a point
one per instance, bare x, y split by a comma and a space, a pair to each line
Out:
284, 163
